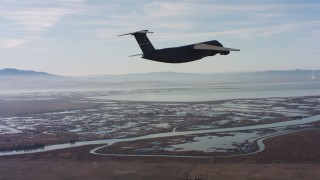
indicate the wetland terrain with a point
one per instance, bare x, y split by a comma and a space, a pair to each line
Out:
94, 128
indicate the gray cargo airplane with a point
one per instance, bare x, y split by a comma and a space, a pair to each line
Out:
180, 54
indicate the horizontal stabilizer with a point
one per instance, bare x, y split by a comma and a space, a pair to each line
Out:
136, 55
211, 47
142, 32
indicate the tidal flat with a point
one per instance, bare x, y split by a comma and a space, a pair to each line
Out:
64, 117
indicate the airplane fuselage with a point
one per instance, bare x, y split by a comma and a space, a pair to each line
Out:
182, 54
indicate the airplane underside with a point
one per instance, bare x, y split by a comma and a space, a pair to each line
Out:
178, 55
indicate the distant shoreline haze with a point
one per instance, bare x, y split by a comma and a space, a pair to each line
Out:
28, 79
310, 73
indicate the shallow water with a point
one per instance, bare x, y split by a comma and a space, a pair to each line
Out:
214, 92
218, 142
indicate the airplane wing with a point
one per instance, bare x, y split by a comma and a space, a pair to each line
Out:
142, 32
211, 47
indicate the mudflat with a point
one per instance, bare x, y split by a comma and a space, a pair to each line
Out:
290, 156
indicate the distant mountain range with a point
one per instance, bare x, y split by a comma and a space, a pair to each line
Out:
11, 72
21, 79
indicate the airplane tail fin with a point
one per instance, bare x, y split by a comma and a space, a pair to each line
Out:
143, 41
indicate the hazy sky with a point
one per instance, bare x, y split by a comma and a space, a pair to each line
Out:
76, 37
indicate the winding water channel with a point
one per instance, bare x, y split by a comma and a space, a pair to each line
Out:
109, 142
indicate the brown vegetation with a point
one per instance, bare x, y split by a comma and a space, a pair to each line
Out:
287, 157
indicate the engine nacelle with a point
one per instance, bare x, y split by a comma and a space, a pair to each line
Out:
225, 53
